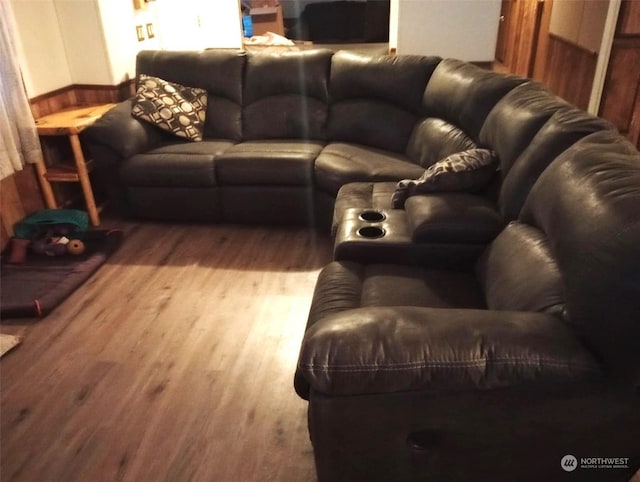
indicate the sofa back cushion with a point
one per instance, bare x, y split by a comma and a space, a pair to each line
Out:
516, 119
518, 272
377, 101
219, 72
464, 94
286, 95
434, 139
587, 204
566, 126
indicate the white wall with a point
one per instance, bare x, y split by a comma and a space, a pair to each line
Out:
65, 42
179, 24
199, 24
579, 21
221, 24
42, 55
462, 29
84, 43
118, 24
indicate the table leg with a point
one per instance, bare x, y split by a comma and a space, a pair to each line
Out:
45, 185
83, 177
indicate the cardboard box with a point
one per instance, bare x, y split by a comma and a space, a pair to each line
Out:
267, 18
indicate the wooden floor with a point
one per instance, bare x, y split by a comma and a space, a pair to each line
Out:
174, 362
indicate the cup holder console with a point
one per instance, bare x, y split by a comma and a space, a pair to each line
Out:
372, 216
371, 232
371, 235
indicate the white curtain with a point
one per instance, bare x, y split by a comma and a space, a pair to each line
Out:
19, 140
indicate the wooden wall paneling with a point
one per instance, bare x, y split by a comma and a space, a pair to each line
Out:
29, 190
4, 234
80, 94
53, 101
570, 71
19, 196
629, 18
620, 101
621, 85
634, 127
92, 94
11, 209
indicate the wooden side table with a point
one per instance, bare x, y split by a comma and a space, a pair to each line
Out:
70, 122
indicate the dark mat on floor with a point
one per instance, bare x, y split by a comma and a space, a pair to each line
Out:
36, 287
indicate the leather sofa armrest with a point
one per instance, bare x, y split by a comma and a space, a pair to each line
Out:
381, 350
123, 133
452, 217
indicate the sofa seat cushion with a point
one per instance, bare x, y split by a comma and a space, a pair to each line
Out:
408, 348
344, 285
286, 162
175, 165
363, 195
341, 163
453, 217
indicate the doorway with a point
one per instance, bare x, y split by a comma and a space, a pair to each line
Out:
554, 42
523, 27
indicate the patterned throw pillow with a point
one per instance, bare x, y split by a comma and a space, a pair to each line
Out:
173, 107
466, 171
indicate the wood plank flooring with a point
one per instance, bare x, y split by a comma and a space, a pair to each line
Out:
174, 362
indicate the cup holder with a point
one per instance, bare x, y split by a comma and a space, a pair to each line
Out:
371, 232
372, 216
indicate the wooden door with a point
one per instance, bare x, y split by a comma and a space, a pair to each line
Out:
504, 29
518, 35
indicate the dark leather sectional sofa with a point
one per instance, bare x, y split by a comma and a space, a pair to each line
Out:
487, 335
